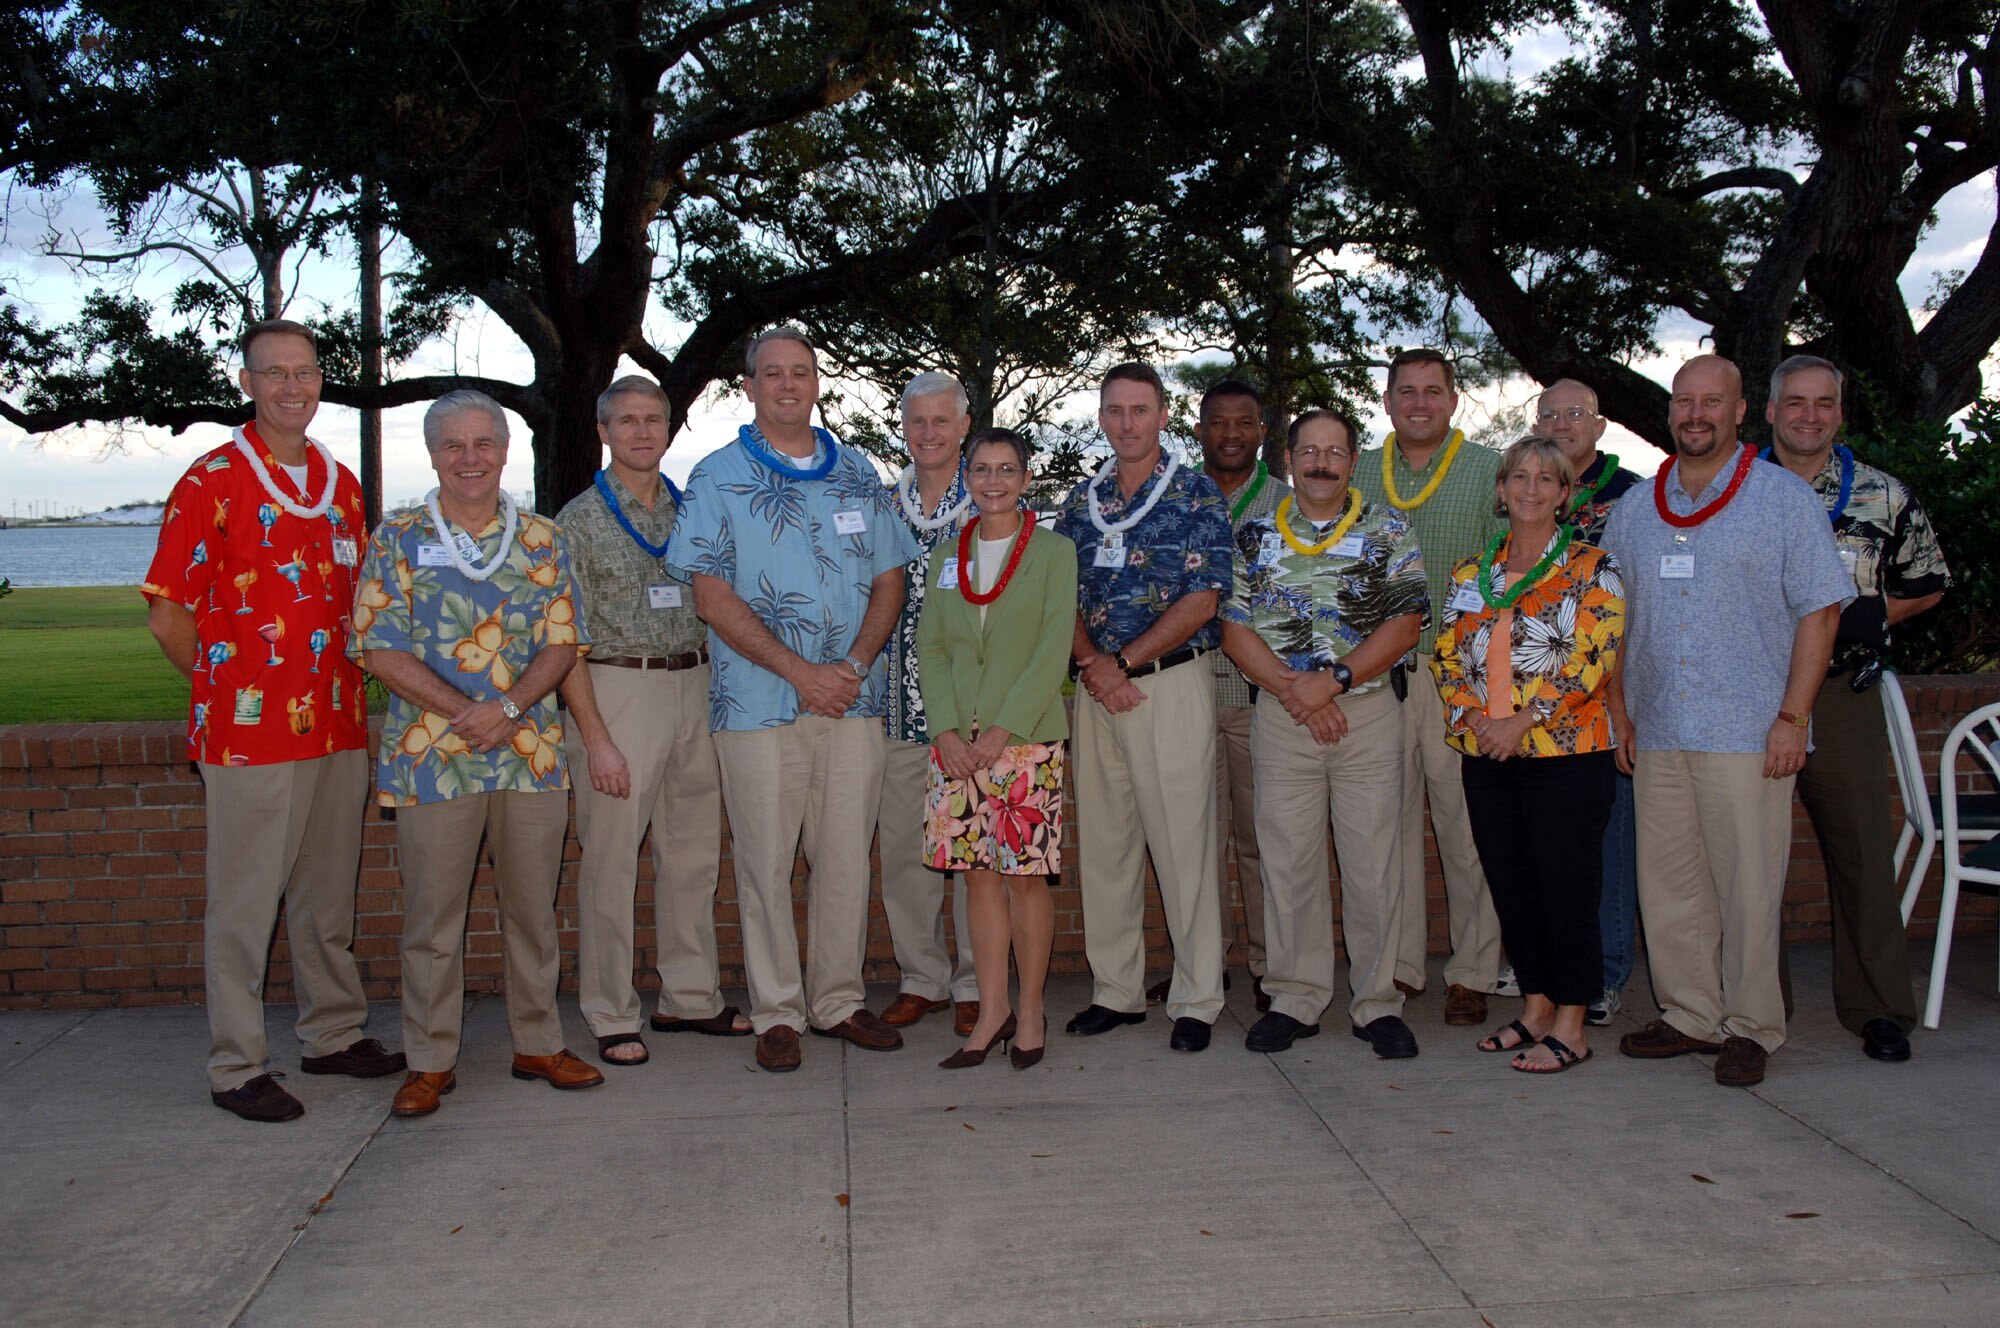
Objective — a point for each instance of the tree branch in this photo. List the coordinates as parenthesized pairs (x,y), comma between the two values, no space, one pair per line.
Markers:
(1741,177)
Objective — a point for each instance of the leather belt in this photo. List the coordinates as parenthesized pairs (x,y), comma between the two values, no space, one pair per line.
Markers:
(671,663)
(1165,662)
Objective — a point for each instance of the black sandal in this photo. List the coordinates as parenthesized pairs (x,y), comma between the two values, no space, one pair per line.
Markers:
(1491,1042)
(716,1025)
(1564,1058)
(610,1040)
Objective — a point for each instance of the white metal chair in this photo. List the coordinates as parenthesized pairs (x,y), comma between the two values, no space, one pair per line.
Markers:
(1978,732)
(1918,821)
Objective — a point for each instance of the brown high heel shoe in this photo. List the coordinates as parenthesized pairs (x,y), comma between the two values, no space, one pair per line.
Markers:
(1022,1057)
(965,1057)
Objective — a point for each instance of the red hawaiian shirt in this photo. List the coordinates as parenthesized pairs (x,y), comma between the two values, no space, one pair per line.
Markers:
(271,593)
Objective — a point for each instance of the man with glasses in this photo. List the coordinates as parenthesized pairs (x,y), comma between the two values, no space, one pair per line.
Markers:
(1329,595)
(250,591)
(1567,412)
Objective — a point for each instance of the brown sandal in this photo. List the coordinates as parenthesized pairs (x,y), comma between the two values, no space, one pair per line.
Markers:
(717,1025)
(610,1040)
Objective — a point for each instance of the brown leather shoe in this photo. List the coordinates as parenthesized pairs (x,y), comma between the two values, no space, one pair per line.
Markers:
(1409,993)
(1659,1040)
(364,1059)
(561,1070)
(965,1018)
(1464,1007)
(1741,1064)
(778,1048)
(259,1099)
(865,1031)
(421,1092)
(909,1007)
(1157,993)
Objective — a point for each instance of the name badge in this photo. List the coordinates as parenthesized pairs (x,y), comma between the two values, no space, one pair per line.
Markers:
(1349,547)
(1466,599)
(468,547)
(347,552)
(1109,554)
(851,522)
(1676,566)
(1114,539)
(663,597)
(948,575)
(1271,551)
(1849,559)
(433,555)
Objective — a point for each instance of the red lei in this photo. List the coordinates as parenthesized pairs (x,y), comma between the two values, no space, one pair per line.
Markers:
(1006,573)
(1695,518)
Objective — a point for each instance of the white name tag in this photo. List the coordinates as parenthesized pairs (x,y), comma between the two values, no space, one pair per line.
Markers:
(663,597)
(1466,599)
(347,552)
(1110,555)
(1676,566)
(851,522)
(1114,539)
(1849,559)
(468,547)
(948,575)
(1349,547)
(1271,552)
(433,555)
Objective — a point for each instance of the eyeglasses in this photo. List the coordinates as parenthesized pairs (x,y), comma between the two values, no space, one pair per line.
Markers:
(279,377)
(1574,414)
(1006,470)
(1311,454)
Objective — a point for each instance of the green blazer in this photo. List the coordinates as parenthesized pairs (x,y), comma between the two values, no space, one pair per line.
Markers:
(1010,671)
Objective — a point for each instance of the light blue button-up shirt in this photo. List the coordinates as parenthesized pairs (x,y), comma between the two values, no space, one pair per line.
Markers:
(791,550)
(1707,655)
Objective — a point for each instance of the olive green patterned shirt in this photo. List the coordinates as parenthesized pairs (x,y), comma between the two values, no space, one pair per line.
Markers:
(620,583)
(1452,524)
(1231,688)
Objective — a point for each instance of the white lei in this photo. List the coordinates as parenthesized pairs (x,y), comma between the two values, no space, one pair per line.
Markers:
(906,494)
(1109,469)
(444,532)
(271,487)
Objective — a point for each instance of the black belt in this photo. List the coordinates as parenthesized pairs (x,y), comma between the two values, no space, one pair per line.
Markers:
(671,663)
(1165,662)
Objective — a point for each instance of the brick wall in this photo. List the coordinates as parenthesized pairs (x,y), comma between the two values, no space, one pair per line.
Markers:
(101,834)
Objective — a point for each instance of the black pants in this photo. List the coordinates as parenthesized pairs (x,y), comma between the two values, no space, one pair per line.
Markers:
(1538,822)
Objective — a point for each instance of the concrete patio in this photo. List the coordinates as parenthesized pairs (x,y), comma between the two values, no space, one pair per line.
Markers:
(1117,1183)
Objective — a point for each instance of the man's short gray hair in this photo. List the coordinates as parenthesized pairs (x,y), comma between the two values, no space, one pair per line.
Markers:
(451,403)
(784,333)
(637,385)
(1799,364)
(932,382)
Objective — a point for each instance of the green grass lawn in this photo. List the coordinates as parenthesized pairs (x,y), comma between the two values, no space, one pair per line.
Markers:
(82,653)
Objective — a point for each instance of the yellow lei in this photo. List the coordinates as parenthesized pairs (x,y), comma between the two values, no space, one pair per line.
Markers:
(1396,500)
(1339,531)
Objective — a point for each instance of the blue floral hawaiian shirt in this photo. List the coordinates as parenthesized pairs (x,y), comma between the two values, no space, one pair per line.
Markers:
(478,636)
(804,555)
(1183,546)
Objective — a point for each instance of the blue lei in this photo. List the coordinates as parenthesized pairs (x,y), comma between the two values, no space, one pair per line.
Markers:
(762,452)
(1846,479)
(617,510)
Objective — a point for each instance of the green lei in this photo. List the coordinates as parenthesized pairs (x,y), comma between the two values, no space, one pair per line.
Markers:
(1490,563)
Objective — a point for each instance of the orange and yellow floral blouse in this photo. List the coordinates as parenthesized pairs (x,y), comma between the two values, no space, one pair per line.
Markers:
(1564,640)
(476,635)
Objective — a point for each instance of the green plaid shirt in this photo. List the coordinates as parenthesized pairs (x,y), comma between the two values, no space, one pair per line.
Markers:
(1231,688)
(1455,523)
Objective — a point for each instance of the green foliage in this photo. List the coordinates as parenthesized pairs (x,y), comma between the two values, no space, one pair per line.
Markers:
(1955,474)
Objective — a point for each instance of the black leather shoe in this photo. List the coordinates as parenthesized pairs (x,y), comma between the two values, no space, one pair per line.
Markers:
(1885,1040)
(261,1100)
(366,1059)
(1277,1032)
(1391,1038)
(1101,1019)
(1258,996)
(1190,1034)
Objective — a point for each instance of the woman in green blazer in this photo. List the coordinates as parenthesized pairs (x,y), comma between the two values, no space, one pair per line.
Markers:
(993,648)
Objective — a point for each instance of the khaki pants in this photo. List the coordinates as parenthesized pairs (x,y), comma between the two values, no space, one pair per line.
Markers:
(1236,821)
(815,783)
(1715,837)
(438,843)
(660,722)
(1356,784)
(292,832)
(913,894)
(1430,767)
(1145,781)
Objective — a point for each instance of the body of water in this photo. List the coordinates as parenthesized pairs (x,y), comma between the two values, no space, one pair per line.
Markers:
(77,555)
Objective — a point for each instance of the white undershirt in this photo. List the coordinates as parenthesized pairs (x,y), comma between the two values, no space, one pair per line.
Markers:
(298,474)
(989,561)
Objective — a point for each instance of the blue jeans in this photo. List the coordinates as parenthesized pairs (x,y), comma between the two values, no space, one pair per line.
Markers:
(1618,906)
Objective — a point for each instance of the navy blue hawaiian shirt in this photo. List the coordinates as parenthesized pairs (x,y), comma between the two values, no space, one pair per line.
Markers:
(1182,546)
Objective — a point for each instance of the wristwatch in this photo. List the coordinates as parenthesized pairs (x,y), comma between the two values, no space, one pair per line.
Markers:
(509,709)
(1342,675)
(860,669)
(1797,721)
(1124,664)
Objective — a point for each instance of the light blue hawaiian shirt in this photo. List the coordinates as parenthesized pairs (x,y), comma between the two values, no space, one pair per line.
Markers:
(804,555)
